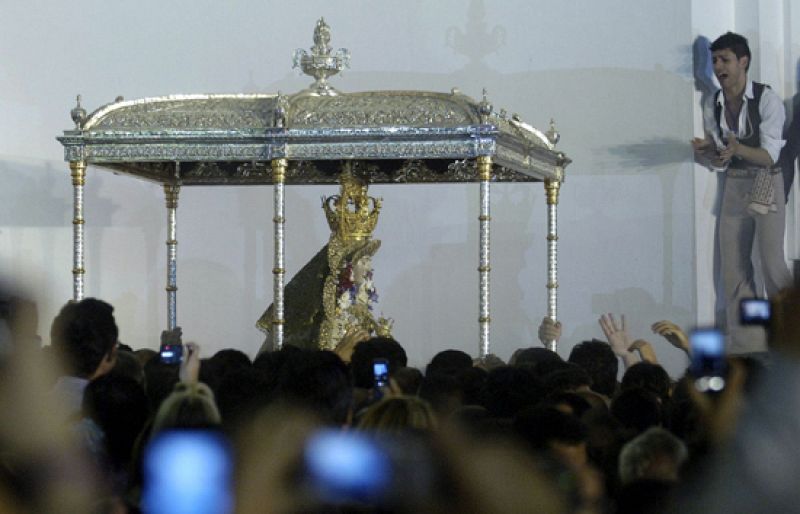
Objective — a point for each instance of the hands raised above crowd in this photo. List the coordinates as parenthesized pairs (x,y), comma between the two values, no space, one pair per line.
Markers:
(621,342)
(618,338)
(672,333)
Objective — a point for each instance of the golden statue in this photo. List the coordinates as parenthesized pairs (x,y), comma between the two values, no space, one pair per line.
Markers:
(334,292)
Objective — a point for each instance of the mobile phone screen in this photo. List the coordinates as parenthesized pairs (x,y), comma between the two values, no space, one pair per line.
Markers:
(707,349)
(171,353)
(346,466)
(188,472)
(380,370)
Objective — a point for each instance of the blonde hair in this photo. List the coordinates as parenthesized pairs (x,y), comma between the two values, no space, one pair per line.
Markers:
(398,413)
(188,406)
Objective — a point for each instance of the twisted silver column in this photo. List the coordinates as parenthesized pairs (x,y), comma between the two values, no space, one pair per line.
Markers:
(171,194)
(78,174)
(278,271)
(552,188)
(484,175)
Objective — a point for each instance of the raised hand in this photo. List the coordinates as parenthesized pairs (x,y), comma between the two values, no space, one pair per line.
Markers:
(348,343)
(672,333)
(189,372)
(617,337)
(645,349)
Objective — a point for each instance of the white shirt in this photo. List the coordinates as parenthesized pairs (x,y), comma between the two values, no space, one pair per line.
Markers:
(773,115)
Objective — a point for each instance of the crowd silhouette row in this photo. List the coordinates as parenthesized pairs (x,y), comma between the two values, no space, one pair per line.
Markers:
(93,425)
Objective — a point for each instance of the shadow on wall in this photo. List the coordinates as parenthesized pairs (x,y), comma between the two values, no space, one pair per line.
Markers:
(639,307)
(40,185)
(592,126)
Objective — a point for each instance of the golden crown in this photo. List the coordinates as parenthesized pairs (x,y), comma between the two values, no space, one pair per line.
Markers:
(352,214)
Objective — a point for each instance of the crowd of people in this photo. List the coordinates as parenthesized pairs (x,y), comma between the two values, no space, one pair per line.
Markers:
(92,425)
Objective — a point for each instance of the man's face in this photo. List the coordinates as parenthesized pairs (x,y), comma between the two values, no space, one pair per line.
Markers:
(729,70)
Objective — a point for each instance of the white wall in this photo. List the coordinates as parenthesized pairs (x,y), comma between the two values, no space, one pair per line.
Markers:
(616,76)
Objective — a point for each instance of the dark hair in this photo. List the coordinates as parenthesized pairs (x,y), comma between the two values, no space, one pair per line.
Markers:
(448,362)
(240,394)
(735,43)
(371,349)
(159,379)
(223,363)
(317,381)
(442,392)
(118,405)
(540,426)
(83,333)
(648,376)
(599,361)
(535,356)
(509,390)
(128,365)
(569,379)
(408,380)
(637,409)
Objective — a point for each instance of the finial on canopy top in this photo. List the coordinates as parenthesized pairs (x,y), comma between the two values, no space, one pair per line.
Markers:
(321,63)
(552,134)
(78,114)
(485,107)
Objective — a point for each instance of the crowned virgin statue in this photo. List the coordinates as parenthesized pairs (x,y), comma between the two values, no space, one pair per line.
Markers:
(334,292)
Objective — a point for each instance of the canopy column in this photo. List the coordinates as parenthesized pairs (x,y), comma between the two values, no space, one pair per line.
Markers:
(78,173)
(171,195)
(278,270)
(484,320)
(552,188)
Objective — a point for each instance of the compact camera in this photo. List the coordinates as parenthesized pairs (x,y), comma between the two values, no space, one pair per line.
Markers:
(754,311)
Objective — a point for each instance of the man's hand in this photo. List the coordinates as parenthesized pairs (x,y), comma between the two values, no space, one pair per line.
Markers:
(348,343)
(731,150)
(672,333)
(189,372)
(549,330)
(617,336)
(701,145)
(645,350)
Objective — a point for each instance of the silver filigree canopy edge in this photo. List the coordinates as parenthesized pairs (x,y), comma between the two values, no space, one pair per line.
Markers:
(317,124)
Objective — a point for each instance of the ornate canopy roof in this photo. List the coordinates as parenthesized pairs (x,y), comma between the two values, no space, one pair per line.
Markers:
(403,136)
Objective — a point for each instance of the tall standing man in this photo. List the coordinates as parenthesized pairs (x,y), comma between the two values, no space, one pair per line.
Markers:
(743,125)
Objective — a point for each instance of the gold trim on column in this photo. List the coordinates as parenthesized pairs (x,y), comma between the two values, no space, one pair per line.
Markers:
(484,167)
(279,170)
(552,188)
(78,172)
(171,195)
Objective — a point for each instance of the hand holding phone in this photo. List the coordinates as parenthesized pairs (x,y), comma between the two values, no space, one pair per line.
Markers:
(708,366)
(189,372)
(171,351)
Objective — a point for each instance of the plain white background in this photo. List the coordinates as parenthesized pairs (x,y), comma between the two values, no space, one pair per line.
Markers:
(636,215)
